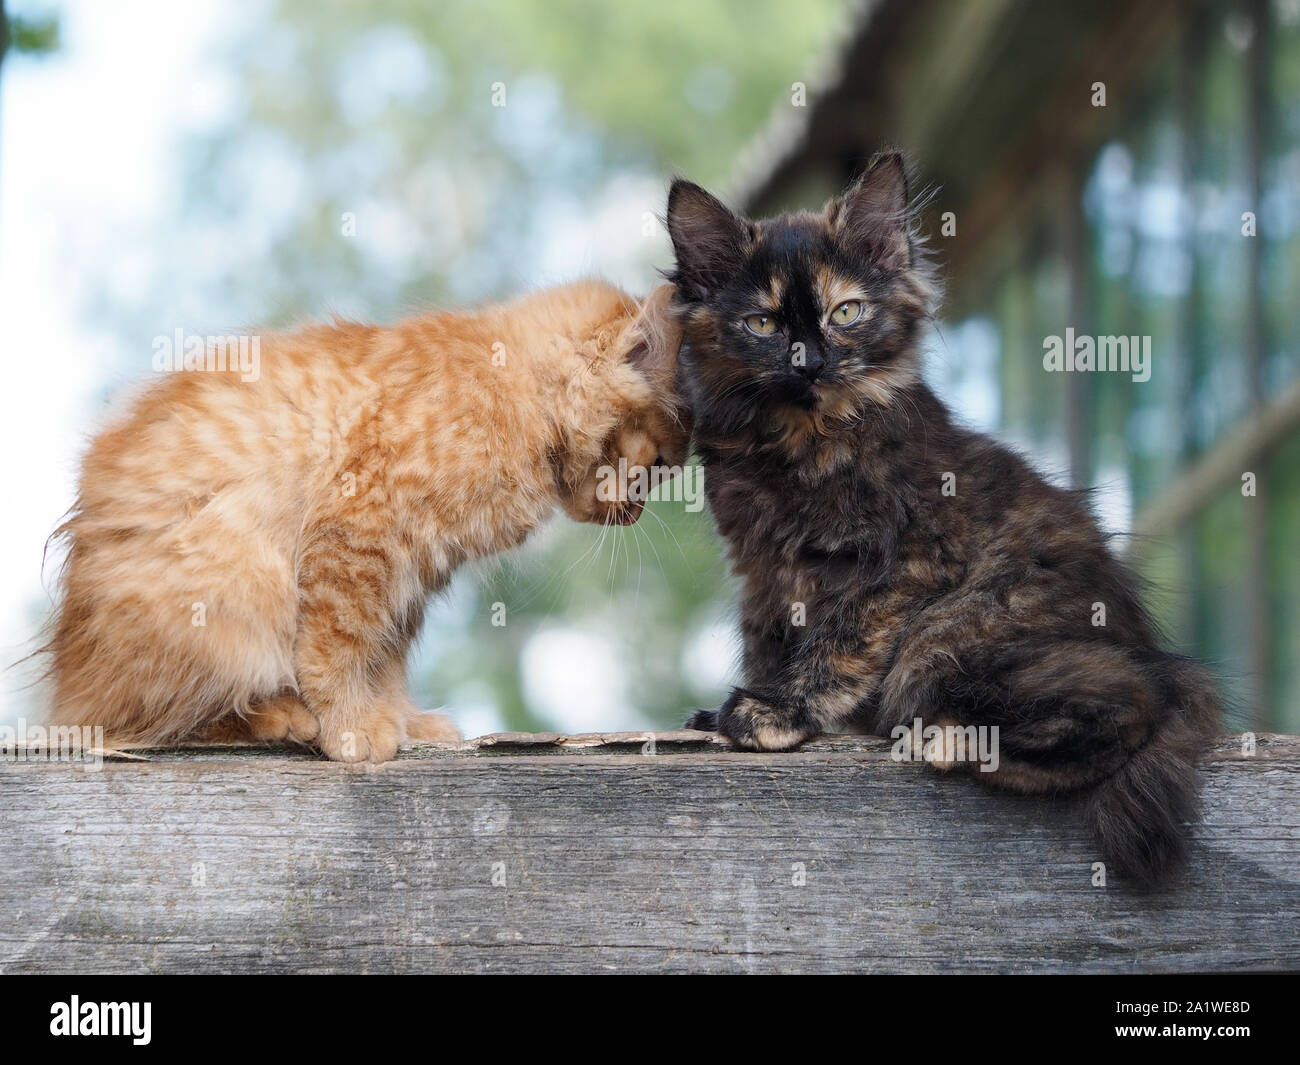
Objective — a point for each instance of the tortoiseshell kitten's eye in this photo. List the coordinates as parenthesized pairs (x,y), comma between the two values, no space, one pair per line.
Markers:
(763,325)
(847,312)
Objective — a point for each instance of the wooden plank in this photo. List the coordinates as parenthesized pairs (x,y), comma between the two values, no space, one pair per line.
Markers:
(607,858)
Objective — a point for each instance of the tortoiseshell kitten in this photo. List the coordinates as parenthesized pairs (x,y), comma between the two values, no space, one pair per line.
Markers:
(896,565)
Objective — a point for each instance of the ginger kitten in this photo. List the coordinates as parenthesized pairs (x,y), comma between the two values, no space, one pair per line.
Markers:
(253,558)
(897,566)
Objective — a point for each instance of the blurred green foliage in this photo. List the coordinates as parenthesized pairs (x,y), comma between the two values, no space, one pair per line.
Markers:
(29,34)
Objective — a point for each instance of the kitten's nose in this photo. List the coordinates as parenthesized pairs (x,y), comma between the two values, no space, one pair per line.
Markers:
(811,364)
(628,513)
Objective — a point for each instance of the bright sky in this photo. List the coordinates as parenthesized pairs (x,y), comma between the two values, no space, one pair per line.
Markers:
(86,138)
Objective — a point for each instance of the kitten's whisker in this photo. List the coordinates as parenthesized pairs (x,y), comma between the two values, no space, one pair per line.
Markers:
(651,541)
(668,529)
(636,538)
(627,553)
(553,579)
(613,554)
(586,557)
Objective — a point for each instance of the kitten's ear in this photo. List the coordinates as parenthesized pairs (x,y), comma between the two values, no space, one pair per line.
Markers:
(657,335)
(872,213)
(708,239)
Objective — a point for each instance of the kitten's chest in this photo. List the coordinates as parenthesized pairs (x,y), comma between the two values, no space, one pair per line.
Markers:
(768,509)
(481,524)
(798,528)
(465,506)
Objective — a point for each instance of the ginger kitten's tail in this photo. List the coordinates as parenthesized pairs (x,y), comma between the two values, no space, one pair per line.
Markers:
(1140,815)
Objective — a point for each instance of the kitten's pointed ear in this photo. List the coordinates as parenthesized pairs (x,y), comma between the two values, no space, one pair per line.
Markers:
(708,239)
(872,214)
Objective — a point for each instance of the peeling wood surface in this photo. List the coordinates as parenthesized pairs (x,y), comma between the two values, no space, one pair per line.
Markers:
(549,853)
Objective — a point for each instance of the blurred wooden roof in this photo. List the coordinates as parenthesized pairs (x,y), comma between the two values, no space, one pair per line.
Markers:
(990,100)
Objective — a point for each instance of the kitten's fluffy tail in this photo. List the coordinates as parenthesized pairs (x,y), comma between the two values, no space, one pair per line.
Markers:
(1140,816)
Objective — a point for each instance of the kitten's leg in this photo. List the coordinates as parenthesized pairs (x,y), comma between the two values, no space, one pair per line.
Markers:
(780,718)
(816,689)
(1067,713)
(806,681)
(1077,712)
(939,651)
(343,649)
(767,722)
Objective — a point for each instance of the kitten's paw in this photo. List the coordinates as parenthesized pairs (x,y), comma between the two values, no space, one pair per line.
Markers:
(703,721)
(371,736)
(284,719)
(431,727)
(751,723)
(281,719)
(940,748)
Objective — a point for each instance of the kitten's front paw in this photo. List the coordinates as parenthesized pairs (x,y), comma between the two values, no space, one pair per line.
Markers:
(748,721)
(371,736)
(703,721)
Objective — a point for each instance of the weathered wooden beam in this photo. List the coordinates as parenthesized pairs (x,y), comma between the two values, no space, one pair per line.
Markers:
(1244,449)
(555,854)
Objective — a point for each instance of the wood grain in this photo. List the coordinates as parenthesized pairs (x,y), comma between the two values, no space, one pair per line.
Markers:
(610,859)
